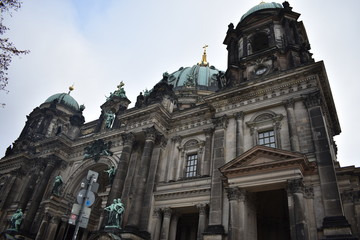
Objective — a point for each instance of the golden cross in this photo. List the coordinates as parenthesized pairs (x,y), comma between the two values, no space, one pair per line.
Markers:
(204,47)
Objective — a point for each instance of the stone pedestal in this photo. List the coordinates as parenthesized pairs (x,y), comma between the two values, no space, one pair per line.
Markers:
(337,228)
(214,232)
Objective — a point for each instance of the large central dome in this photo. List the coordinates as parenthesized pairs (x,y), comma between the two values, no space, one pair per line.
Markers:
(198,76)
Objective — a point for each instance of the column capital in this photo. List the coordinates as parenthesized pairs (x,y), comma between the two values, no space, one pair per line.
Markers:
(221,122)
(150,133)
(296,185)
(208,132)
(176,139)
(157,213)
(167,212)
(128,138)
(312,99)
(162,141)
(234,193)
(309,192)
(202,208)
(289,103)
(239,115)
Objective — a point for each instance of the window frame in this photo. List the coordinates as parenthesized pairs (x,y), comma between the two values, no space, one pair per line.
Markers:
(265,121)
(190,158)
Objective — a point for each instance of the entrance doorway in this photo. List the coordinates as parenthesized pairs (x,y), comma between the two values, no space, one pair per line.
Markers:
(272,215)
(187,226)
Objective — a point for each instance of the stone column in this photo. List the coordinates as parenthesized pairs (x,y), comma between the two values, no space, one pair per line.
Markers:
(121,171)
(29,189)
(311,215)
(38,195)
(173,226)
(157,224)
(43,227)
(294,137)
(298,224)
(62,229)
(207,153)
(215,229)
(141,177)
(334,222)
(11,189)
(51,230)
(239,133)
(234,214)
(150,183)
(166,224)
(202,221)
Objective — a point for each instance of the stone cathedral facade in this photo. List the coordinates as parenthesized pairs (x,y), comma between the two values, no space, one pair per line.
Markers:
(245,153)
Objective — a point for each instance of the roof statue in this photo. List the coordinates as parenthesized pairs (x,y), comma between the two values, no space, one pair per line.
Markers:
(120,92)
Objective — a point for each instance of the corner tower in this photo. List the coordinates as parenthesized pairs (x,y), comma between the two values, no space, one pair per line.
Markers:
(267,40)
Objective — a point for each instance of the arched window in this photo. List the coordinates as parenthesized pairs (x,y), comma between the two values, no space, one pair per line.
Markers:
(265,129)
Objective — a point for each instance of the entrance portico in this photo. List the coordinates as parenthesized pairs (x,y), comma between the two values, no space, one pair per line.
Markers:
(265,188)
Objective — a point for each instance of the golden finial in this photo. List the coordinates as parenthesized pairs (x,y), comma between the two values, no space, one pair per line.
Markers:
(120,85)
(71,88)
(204,60)
(262,2)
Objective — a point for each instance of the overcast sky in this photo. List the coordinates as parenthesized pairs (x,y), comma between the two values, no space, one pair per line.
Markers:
(95,44)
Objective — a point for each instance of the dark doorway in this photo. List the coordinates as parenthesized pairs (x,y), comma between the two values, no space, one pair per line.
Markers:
(272,215)
(187,227)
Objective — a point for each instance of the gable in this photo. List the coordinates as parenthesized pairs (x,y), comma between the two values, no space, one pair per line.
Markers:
(265,159)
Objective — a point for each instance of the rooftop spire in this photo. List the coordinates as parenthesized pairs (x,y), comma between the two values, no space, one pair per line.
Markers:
(203,60)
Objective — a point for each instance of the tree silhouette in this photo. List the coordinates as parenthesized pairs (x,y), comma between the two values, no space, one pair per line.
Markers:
(7,48)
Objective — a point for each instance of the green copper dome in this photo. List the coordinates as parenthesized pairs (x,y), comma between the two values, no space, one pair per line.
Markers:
(261,6)
(198,76)
(65,99)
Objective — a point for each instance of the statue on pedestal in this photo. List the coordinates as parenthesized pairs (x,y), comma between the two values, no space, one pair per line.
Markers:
(115,210)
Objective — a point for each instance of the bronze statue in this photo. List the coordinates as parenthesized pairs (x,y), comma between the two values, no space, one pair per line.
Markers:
(109,119)
(58,182)
(16,219)
(115,210)
(111,173)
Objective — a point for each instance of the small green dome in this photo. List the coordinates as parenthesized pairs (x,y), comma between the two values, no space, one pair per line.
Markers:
(65,99)
(261,6)
(198,76)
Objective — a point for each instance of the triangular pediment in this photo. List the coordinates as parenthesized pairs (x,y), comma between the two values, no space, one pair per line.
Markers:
(261,158)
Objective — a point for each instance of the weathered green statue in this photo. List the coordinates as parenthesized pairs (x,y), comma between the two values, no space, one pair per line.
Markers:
(58,182)
(16,219)
(111,173)
(109,119)
(115,210)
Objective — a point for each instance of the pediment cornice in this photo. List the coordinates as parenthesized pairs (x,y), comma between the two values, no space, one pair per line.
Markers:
(261,159)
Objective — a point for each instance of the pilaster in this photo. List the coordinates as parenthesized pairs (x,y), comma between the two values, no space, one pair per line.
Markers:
(141,177)
(294,138)
(38,195)
(334,222)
